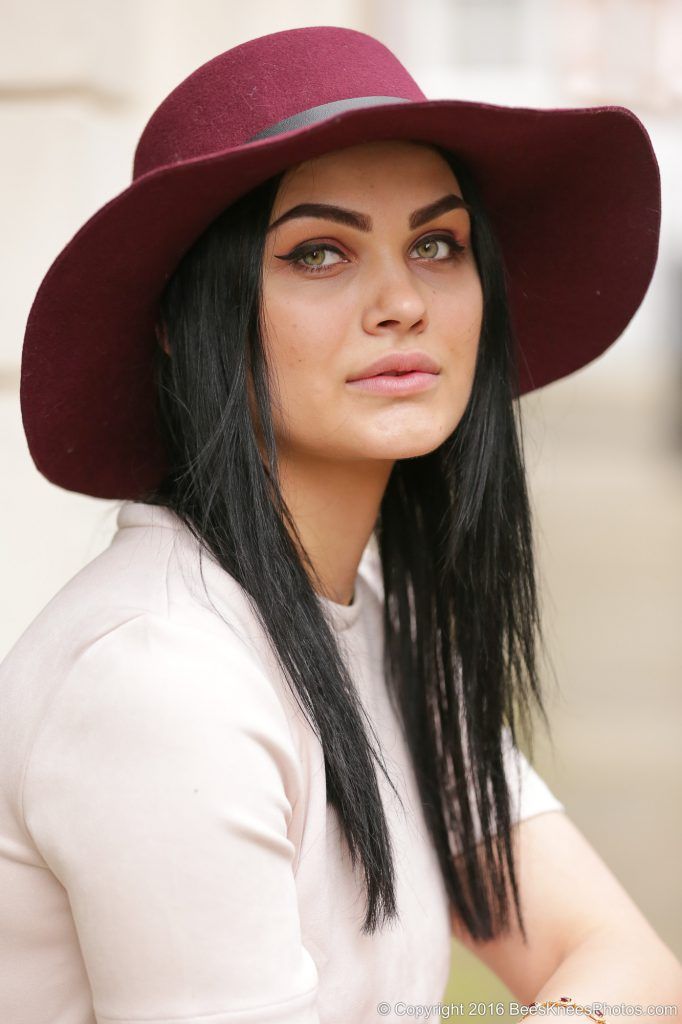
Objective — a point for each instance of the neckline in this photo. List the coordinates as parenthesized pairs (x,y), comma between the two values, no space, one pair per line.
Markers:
(140,513)
(343,616)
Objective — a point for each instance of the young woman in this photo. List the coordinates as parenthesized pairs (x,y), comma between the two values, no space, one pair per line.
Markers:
(260,758)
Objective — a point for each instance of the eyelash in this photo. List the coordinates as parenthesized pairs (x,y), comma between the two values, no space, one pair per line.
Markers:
(296,255)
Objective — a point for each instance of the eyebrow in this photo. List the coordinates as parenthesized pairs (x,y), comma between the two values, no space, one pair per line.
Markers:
(353,219)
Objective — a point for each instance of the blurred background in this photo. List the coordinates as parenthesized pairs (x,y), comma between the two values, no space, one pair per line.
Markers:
(78,81)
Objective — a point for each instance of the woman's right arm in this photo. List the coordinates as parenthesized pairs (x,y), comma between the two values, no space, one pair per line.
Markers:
(159,792)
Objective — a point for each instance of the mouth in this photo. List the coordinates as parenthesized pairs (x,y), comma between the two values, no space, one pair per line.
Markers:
(390,373)
(395,382)
(394,363)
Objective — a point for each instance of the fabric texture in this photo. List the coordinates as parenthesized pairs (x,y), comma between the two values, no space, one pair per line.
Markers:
(166,851)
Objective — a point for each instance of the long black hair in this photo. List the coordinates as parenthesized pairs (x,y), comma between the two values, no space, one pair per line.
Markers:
(461,619)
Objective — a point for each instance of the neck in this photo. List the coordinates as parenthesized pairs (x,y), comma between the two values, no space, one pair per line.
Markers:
(335,507)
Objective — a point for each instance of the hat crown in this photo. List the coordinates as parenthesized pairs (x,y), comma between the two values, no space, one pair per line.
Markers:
(233,96)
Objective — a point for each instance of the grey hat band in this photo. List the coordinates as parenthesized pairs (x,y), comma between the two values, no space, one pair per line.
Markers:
(324,110)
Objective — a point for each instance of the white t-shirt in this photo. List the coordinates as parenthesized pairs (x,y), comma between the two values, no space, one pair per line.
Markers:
(166,849)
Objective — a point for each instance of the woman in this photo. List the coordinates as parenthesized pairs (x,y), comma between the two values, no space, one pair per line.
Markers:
(262,750)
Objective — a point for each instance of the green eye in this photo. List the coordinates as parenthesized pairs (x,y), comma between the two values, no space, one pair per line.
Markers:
(429,244)
(314,252)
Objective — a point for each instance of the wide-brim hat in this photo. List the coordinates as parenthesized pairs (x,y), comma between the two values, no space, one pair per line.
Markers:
(573,196)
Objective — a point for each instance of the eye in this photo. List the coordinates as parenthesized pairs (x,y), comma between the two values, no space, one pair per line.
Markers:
(431,244)
(315,250)
(318,250)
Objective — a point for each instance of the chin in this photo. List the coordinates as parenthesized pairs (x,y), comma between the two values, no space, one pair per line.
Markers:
(405,448)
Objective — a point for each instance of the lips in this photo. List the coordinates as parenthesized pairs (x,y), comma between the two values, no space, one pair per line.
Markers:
(395,364)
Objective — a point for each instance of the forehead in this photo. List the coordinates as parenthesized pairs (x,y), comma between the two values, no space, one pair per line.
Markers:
(368,168)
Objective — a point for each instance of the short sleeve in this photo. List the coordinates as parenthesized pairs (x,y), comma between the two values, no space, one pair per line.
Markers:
(529,794)
(159,792)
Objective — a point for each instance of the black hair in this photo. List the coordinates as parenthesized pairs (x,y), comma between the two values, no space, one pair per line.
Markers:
(461,618)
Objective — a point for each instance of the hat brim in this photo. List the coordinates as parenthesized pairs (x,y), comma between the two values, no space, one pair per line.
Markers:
(573,196)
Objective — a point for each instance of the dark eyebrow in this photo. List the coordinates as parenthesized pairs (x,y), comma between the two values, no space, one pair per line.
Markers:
(361,221)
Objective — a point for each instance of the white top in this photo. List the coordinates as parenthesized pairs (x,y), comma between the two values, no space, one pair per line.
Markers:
(166,850)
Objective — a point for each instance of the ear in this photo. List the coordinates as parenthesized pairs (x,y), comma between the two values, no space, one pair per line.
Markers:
(162,337)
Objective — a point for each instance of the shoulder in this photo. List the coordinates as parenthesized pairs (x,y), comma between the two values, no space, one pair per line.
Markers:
(167,672)
(151,705)
(169,661)
(134,621)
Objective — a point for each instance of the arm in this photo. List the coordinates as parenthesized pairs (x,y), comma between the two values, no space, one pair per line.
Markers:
(159,792)
(587,938)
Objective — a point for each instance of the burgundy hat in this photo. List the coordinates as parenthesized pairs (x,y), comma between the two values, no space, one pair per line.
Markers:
(573,196)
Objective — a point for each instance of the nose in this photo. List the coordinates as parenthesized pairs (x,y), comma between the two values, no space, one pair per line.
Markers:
(395,300)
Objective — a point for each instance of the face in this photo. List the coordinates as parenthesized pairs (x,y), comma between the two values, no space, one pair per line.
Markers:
(338,295)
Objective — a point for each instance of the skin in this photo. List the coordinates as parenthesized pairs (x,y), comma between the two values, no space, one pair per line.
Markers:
(391,289)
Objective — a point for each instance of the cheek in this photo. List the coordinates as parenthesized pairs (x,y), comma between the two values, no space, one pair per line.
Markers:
(302,349)
(471,332)
(464,308)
